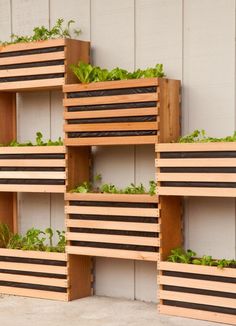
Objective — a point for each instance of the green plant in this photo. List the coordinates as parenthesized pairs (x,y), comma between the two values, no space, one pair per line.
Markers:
(38,142)
(41,33)
(199,136)
(83,188)
(179,255)
(86,73)
(152,187)
(5,235)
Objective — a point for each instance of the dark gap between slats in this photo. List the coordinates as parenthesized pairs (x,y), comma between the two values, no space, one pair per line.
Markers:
(33,261)
(113,204)
(116,232)
(145,118)
(203,307)
(34,286)
(114,246)
(32,169)
(33,77)
(198,169)
(31,51)
(209,154)
(32,64)
(112,133)
(32,181)
(38,274)
(212,278)
(115,106)
(31,156)
(199,291)
(111,218)
(200,184)
(115,91)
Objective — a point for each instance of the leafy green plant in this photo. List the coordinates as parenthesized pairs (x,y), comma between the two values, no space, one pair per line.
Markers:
(199,136)
(5,235)
(179,255)
(86,73)
(38,142)
(41,33)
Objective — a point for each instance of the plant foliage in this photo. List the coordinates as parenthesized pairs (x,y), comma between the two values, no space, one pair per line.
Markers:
(38,142)
(199,136)
(86,73)
(41,33)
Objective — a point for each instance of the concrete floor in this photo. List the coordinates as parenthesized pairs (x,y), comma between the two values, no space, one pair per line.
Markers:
(93,311)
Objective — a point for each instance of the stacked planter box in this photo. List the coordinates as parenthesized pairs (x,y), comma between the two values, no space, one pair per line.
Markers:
(36,66)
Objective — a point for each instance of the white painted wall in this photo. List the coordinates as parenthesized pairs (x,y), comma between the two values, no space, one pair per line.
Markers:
(196,42)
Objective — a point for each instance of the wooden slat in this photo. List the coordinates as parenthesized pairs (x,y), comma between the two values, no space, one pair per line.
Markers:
(142,82)
(32,188)
(196,191)
(118,239)
(32,175)
(32,84)
(198,314)
(32,71)
(113,253)
(33,150)
(32,45)
(196,162)
(198,177)
(110,113)
(33,254)
(49,281)
(112,211)
(108,225)
(25,267)
(113,99)
(60,55)
(198,269)
(198,299)
(198,284)
(32,163)
(127,140)
(111,126)
(34,293)
(145,198)
(198,147)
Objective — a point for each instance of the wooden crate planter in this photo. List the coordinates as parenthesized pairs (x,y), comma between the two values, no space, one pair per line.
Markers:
(118,226)
(199,292)
(196,169)
(141,111)
(39,65)
(32,169)
(43,275)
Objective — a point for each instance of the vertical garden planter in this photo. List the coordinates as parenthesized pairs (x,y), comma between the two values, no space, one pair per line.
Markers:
(32,169)
(139,111)
(197,169)
(114,225)
(44,275)
(40,65)
(200,292)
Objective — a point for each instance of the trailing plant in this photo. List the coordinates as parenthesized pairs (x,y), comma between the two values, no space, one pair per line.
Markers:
(38,142)
(42,33)
(199,136)
(180,255)
(86,73)
(34,239)
(110,188)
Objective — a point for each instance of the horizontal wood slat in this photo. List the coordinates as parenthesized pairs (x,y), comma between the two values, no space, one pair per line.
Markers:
(112,211)
(127,226)
(32,84)
(27,267)
(32,71)
(198,314)
(196,162)
(127,140)
(113,253)
(119,239)
(198,299)
(33,150)
(196,147)
(140,198)
(33,254)
(110,113)
(114,99)
(32,175)
(32,163)
(197,191)
(142,82)
(32,188)
(59,55)
(197,177)
(111,126)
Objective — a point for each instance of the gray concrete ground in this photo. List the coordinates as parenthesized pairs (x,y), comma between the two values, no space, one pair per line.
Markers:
(93,311)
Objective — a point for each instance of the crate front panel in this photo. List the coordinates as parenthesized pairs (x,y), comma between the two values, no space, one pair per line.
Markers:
(197,169)
(32,169)
(109,113)
(201,292)
(34,274)
(112,228)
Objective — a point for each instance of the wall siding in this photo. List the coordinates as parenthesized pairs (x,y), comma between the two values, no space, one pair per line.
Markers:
(132,34)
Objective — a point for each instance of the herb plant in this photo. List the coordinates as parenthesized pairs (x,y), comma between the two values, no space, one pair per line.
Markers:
(38,142)
(41,33)
(86,73)
(199,136)
(180,255)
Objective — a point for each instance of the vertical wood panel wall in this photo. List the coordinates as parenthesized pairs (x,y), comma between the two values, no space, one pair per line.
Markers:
(132,34)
